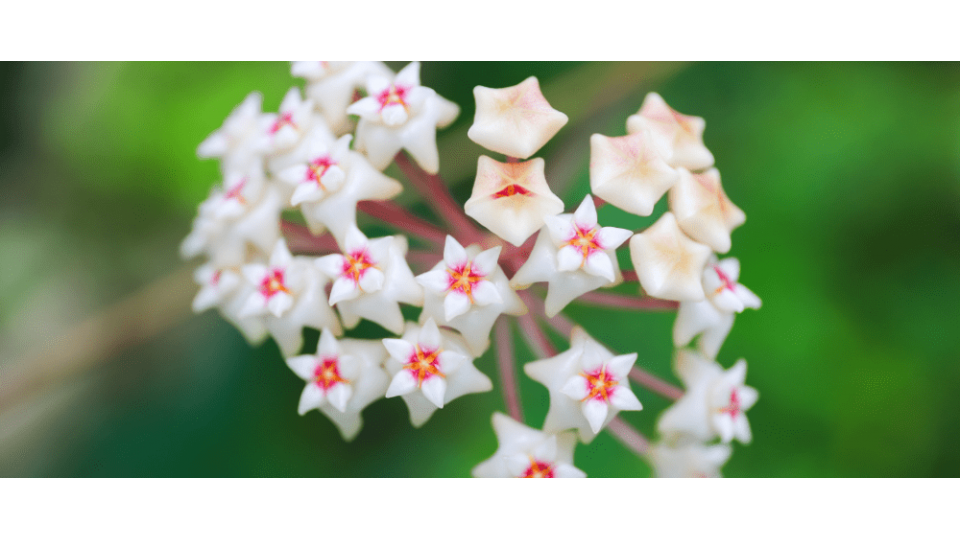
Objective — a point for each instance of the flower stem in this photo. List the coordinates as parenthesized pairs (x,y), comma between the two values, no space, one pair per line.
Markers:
(508,369)
(652,382)
(535,337)
(301,241)
(435,193)
(627,302)
(630,437)
(400,218)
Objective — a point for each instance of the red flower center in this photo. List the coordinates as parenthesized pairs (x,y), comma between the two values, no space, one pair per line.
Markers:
(317,168)
(600,384)
(424,364)
(273,283)
(538,469)
(733,409)
(327,374)
(511,190)
(462,279)
(584,240)
(286,119)
(356,264)
(394,95)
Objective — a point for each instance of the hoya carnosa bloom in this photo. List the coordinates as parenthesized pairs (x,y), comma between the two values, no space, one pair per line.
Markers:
(588,386)
(227,290)
(714,404)
(692,460)
(629,172)
(430,368)
(678,136)
(290,124)
(331,86)
(524,452)
(343,377)
(703,210)
(574,255)
(467,291)
(668,262)
(237,143)
(371,278)
(712,318)
(401,114)
(288,295)
(329,183)
(516,121)
(512,199)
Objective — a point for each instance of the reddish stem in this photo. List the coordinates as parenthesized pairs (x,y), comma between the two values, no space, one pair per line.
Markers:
(630,437)
(402,219)
(630,276)
(535,337)
(424,259)
(627,302)
(435,193)
(655,383)
(508,369)
(301,240)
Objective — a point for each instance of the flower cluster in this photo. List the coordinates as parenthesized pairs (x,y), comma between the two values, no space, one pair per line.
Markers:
(284,251)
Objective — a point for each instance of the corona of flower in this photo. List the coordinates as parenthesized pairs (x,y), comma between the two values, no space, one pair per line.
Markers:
(292,237)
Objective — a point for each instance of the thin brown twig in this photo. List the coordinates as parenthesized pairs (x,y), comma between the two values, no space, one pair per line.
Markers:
(508,369)
(402,219)
(627,302)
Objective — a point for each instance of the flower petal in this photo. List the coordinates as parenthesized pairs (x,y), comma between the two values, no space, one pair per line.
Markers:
(486,261)
(327,346)
(338,396)
(619,366)
(402,384)
(595,411)
(399,349)
(279,303)
(624,399)
(343,289)
(304,366)
(311,398)
(429,339)
(306,192)
(434,389)
(436,281)
(599,264)
(450,361)
(486,293)
(586,215)
(576,388)
(569,259)
(613,237)
(453,253)
(455,304)
(371,281)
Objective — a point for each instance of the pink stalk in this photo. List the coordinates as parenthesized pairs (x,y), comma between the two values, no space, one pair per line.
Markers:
(435,193)
(301,240)
(402,219)
(658,385)
(627,302)
(424,259)
(630,275)
(559,322)
(508,369)
(630,437)
(535,337)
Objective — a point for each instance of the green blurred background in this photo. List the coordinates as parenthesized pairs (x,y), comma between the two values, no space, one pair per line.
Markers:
(848,174)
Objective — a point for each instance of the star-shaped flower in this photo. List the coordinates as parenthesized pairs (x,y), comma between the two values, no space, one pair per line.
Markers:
(430,368)
(401,114)
(237,143)
(330,182)
(524,452)
(629,172)
(668,263)
(574,255)
(289,295)
(225,289)
(691,460)
(512,199)
(467,291)
(714,403)
(678,136)
(703,210)
(516,121)
(331,86)
(371,278)
(342,378)
(288,126)
(588,386)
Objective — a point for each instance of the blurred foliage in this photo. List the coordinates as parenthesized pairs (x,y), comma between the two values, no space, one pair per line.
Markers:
(848,174)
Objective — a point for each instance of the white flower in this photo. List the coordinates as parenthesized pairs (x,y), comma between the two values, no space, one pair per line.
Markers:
(678,137)
(290,124)
(289,295)
(574,255)
(331,86)
(243,214)
(237,143)
(467,291)
(668,263)
(225,288)
(512,199)
(329,183)
(431,368)
(629,172)
(516,121)
(524,452)
(342,378)
(713,317)
(692,460)
(703,210)
(588,386)
(371,278)
(401,114)
(714,403)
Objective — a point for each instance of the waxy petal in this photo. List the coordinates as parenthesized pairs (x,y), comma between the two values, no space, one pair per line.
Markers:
(516,121)
(311,398)
(434,389)
(403,383)
(596,413)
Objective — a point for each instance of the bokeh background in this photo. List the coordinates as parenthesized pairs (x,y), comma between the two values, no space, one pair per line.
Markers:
(849,175)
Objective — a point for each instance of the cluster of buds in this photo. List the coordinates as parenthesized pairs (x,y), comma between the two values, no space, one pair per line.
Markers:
(284,251)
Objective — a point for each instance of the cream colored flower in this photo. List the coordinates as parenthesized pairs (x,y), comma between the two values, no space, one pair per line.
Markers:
(703,210)
(515,121)
(678,136)
(628,172)
(668,263)
(524,452)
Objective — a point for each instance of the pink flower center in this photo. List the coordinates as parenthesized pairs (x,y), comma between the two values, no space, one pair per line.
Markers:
(236,192)
(286,119)
(585,240)
(356,264)
(424,364)
(727,283)
(462,279)
(600,384)
(327,374)
(394,95)
(319,167)
(538,469)
(733,409)
(273,283)
(511,190)
(215,280)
